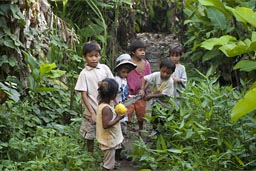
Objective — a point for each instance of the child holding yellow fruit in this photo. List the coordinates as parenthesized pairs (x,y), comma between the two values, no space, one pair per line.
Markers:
(108,128)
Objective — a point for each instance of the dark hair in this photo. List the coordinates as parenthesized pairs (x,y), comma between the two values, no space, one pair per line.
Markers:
(137,44)
(168,64)
(176,49)
(108,89)
(90,46)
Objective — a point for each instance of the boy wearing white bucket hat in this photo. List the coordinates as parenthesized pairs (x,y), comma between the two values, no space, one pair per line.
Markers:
(122,69)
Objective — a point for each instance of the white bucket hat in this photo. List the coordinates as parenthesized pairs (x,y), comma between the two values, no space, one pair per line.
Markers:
(124,59)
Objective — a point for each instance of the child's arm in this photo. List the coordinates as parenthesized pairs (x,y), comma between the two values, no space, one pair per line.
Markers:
(182,79)
(153,95)
(88,105)
(144,85)
(107,115)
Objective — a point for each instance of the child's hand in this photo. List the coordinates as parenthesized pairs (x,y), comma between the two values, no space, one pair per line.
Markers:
(142,92)
(176,80)
(93,116)
(131,96)
(147,97)
(119,117)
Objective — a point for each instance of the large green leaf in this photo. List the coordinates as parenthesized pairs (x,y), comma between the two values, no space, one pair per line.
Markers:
(217,18)
(30,60)
(3,59)
(253,36)
(216,4)
(246,65)
(238,17)
(244,106)
(234,49)
(12,93)
(210,43)
(56,73)
(46,68)
(247,14)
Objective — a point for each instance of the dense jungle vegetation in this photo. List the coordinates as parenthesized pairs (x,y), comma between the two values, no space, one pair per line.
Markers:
(40,59)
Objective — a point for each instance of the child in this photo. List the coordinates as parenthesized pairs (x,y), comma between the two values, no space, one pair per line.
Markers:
(108,128)
(161,83)
(179,76)
(134,78)
(87,84)
(123,67)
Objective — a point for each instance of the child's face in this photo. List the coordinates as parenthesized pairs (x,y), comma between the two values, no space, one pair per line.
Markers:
(92,58)
(123,72)
(165,73)
(140,53)
(175,58)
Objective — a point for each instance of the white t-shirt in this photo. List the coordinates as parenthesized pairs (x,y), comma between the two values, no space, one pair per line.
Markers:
(180,73)
(88,81)
(157,84)
(123,92)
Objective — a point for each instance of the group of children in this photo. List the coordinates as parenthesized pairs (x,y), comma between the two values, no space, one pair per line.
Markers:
(99,89)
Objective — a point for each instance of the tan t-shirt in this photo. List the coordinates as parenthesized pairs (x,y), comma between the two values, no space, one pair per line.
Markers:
(111,137)
(88,81)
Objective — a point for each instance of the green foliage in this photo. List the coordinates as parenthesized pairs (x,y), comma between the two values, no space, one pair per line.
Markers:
(245,105)
(39,131)
(235,39)
(226,29)
(199,135)
(88,19)
(48,149)
(10,44)
(40,73)
(10,91)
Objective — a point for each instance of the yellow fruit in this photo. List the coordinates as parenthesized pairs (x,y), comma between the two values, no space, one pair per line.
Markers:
(120,109)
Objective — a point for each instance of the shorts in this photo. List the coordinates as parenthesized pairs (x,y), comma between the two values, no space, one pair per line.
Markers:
(88,128)
(140,109)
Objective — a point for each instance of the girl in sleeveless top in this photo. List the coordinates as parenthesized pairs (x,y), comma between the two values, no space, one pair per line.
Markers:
(108,128)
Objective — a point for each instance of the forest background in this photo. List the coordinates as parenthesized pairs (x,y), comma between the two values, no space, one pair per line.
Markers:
(41,57)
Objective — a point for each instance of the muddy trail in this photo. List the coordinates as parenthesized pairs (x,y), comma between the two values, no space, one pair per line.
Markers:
(131,135)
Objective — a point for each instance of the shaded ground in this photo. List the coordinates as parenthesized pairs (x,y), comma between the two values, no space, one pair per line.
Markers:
(132,134)
(127,166)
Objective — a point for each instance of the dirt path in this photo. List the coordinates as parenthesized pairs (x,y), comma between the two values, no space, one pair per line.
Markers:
(127,166)
(132,134)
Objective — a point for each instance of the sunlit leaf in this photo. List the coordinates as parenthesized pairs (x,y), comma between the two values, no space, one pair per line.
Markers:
(253,36)
(46,68)
(234,49)
(247,15)
(56,73)
(210,43)
(178,151)
(244,106)
(45,89)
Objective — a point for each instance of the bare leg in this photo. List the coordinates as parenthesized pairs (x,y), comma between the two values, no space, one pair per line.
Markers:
(90,144)
(140,125)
